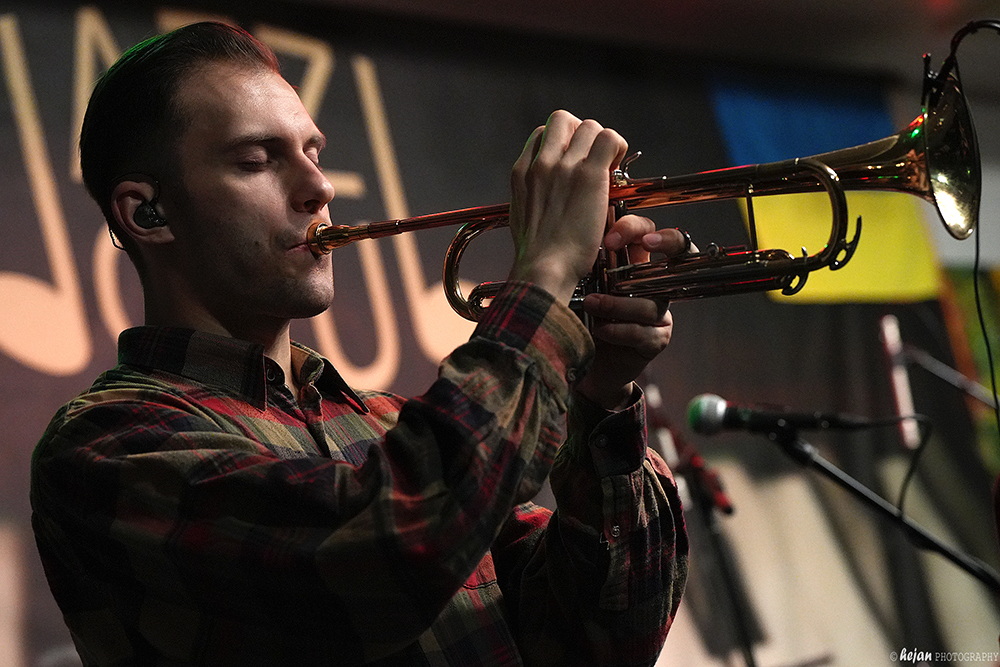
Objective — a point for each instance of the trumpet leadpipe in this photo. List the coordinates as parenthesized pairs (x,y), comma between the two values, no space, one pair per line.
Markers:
(324,238)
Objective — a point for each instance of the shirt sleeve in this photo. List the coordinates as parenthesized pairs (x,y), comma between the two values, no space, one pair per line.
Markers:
(147,508)
(600,582)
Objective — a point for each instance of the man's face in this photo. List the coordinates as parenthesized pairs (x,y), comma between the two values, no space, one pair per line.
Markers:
(250,184)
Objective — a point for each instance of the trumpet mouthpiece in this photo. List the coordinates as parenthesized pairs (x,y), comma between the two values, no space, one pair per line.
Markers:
(314,239)
(322,238)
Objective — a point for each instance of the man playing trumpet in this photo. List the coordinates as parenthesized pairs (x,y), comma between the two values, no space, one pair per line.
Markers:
(222,497)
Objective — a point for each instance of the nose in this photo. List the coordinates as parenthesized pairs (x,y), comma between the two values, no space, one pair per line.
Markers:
(314,190)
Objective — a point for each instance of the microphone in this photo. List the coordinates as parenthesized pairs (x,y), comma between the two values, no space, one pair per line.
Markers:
(708,414)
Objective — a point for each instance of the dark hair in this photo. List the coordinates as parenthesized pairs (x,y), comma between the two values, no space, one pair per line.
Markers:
(133,119)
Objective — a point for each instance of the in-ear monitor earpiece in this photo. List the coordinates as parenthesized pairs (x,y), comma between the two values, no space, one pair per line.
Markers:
(146,216)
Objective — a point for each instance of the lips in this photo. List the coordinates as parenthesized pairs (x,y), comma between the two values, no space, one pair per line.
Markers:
(295,240)
(301,249)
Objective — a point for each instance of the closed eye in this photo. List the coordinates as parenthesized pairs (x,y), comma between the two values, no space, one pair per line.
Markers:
(253,165)
(314,148)
(251,157)
(256,153)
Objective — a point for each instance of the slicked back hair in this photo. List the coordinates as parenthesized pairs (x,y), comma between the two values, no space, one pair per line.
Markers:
(133,119)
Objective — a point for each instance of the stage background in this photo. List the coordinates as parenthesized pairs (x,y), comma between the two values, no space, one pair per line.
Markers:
(422,117)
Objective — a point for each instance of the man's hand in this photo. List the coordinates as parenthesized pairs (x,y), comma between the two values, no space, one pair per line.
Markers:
(628,332)
(559,201)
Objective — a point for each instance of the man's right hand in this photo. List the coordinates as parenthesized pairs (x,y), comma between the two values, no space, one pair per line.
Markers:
(559,201)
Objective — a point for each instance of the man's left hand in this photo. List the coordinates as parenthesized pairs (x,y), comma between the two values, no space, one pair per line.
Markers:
(629,332)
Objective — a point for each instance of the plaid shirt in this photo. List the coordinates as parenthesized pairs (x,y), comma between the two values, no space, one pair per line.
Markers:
(190,511)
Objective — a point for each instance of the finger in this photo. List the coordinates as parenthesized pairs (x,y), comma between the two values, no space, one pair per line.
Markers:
(608,150)
(560,129)
(520,169)
(530,149)
(627,230)
(582,143)
(669,242)
(645,341)
(646,312)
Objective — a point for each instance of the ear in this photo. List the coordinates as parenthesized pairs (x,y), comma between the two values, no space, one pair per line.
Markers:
(132,203)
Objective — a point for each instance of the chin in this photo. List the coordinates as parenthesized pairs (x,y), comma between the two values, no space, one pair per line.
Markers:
(306,313)
(306,298)
(303,307)
(310,305)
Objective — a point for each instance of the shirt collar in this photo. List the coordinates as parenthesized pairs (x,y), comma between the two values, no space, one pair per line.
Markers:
(234,366)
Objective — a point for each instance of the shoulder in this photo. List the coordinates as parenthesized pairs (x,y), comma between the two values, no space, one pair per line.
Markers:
(126,405)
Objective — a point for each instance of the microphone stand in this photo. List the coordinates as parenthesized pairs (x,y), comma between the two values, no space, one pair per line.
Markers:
(700,483)
(709,498)
(806,454)
(945,372)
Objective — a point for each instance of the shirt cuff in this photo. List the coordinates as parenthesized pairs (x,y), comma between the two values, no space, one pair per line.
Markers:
(617,440)
(528,318)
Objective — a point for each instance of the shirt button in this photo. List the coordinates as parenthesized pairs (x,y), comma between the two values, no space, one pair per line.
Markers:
(270,375)
(571,375)
(616,531)
(601,441)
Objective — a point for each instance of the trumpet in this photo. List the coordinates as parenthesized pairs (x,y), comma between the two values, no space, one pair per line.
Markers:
(935,157)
